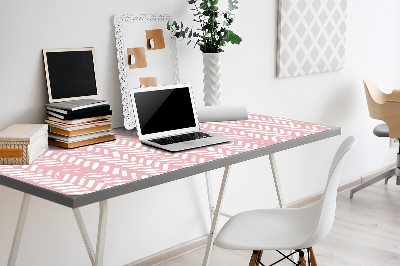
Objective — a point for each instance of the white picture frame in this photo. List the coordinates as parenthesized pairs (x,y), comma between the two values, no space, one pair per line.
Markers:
(70,98)
(130,33)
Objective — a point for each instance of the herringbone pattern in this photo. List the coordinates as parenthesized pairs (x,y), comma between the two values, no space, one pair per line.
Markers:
(212,79)
(96,167)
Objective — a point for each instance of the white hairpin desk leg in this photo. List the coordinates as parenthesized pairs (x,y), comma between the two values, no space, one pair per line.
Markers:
(95,258)
(85,236)
(277,182)
(210,195)
(211,237)
(101,233)
(278,187)
(19,230)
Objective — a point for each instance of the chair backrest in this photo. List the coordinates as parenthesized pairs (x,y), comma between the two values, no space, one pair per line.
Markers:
(376,99)
(384,106)
(373,98)
(379,96)
(327,203)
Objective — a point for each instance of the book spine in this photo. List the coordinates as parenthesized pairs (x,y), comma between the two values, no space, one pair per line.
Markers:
(79,131)
(79,111)
(81,143)
(76,104)
(77,138)
(80,116)
(61,111)
(78,121)
(59,116)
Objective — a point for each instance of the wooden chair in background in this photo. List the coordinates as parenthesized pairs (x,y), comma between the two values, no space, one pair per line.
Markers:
(385,107)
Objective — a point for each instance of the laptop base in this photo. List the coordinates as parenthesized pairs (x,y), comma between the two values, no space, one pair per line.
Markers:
(191,144)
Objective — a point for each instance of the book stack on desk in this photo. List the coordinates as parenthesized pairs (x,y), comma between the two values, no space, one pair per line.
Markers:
(79,123)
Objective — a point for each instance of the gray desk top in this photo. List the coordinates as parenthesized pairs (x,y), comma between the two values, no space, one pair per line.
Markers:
(86,175)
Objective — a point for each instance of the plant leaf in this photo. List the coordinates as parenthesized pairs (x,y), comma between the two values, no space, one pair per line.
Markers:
(233,38)
(204,5)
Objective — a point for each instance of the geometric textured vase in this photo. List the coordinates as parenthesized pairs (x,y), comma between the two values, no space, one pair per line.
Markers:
(212,75)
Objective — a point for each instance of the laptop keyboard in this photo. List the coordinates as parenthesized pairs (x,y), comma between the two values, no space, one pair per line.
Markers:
(180,138)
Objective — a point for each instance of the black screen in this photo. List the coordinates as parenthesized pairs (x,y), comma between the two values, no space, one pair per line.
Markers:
(71,74)
(164,110)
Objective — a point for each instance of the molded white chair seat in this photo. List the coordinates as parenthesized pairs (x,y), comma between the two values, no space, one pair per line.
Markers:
(274,229)
(269,229)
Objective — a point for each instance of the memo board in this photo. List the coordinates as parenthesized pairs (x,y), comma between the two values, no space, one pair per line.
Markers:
(160,63)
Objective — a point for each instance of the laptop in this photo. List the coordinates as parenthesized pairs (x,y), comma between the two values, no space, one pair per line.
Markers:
(166,118)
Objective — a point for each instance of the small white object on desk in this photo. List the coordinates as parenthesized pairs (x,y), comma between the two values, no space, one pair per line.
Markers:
(23,143)
(217,113)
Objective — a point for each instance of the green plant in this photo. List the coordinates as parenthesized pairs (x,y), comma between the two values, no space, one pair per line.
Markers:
(214,32)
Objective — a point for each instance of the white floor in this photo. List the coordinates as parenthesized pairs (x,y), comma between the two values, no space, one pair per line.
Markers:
(366,232)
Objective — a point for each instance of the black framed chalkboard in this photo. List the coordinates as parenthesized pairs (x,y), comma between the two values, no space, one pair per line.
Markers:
(70,74)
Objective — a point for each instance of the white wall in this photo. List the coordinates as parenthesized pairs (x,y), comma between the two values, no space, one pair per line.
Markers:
(146,222)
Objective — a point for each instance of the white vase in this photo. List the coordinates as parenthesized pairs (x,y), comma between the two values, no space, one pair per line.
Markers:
(212,75)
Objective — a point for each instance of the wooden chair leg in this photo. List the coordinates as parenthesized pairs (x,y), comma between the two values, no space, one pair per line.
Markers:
(302,259)
(313,260)
(255,257)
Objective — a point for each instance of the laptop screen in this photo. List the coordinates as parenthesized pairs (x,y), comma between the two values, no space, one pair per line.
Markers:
(164,110)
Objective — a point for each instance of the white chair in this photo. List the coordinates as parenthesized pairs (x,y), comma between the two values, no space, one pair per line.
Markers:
(287,229)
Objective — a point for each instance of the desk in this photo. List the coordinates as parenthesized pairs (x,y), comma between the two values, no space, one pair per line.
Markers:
(82,176)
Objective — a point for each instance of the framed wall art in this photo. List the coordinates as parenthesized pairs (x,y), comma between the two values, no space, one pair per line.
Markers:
(311,36)
(146,53)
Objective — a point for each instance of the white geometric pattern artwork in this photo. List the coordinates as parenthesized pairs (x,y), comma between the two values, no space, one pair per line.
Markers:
(311,36)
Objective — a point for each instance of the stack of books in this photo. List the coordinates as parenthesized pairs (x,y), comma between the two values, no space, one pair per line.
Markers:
(79,123)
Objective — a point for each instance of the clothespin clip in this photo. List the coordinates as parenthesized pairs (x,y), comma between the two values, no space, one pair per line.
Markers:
(132,59)
(151,43)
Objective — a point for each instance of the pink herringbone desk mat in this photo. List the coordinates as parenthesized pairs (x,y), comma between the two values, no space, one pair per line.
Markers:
(92,168)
